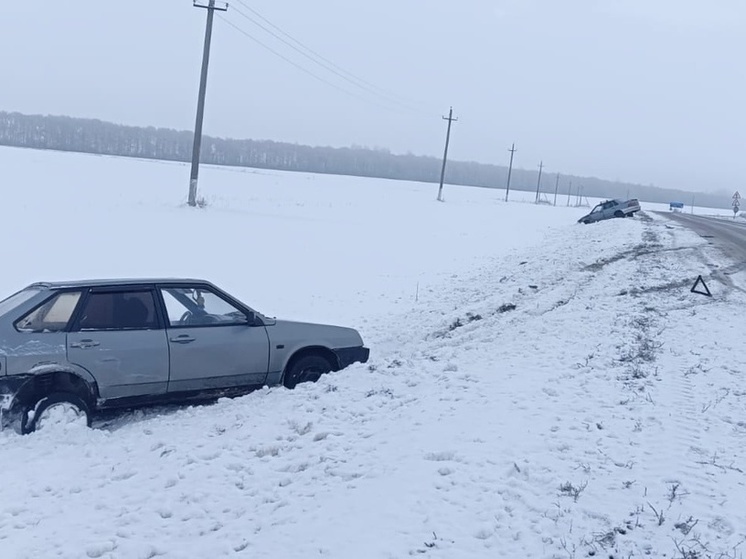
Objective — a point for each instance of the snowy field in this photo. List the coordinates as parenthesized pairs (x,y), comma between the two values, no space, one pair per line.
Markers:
(536,388)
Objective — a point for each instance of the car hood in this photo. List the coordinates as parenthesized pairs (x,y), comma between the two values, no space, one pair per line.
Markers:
(289,331)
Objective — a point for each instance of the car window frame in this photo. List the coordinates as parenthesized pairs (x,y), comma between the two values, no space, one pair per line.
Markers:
(248,312)
(52,294)
(74,326)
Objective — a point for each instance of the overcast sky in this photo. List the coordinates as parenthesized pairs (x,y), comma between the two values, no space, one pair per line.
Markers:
(645,91)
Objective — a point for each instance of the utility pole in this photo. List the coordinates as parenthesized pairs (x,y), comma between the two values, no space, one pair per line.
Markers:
(556,188)
(538,182)
(692,205)
(512,150)
(211,7)
(450,119)
(569,193)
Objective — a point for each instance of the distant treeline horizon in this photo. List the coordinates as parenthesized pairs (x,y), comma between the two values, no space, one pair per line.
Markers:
(64,133)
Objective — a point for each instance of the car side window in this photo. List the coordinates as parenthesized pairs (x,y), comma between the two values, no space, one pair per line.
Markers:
(119,310)
(197,306)
(52,316)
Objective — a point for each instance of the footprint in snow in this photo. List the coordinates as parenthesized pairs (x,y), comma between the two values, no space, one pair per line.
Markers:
(442,456)
(99,549)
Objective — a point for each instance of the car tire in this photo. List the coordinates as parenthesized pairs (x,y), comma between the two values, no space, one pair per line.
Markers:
(619,213)
(306,369)
(34,415)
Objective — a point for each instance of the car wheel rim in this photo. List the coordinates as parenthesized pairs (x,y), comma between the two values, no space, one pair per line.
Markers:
(63,413)
(311,374)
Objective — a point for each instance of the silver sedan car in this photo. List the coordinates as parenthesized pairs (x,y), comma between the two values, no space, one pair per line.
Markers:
(83,346)
(610,209)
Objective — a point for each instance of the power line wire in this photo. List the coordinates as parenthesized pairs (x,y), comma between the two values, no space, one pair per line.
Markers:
(324,62)
(301,68)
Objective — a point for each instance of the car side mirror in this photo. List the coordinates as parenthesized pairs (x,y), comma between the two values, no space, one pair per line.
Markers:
(251,318)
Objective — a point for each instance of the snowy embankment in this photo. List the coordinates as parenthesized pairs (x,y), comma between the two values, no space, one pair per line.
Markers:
(536,388)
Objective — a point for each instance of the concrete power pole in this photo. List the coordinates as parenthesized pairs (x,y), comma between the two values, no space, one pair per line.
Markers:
(450,119)
(556,188)
(211,7)
(512,150)
(569,192)
(538,182)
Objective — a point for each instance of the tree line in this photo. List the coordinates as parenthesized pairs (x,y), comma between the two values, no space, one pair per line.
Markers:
(99,137)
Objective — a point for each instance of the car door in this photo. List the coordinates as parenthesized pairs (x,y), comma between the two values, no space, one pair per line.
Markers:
(609,209)
(597,213)
(213,343)
(118,336)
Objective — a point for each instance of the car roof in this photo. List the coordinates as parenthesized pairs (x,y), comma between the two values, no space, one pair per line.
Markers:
(115,282)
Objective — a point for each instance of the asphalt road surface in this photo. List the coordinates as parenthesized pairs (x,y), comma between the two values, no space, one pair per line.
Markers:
(728,234)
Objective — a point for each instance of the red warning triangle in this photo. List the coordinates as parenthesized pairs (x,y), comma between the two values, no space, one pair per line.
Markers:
(697,289)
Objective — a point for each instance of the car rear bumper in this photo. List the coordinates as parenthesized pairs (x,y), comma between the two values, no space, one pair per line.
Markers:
(9,386)
(349,355)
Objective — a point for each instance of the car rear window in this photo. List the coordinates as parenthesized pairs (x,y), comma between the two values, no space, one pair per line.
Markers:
(119,310)
(10,303)
(52,316)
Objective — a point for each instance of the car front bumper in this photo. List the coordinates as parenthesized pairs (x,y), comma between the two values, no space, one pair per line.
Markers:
(348,355)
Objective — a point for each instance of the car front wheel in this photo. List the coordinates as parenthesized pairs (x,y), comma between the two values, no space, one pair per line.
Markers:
(56,408)
(306,369)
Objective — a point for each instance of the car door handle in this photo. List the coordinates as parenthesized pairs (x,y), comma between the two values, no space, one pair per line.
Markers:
(183,339)
(83,344)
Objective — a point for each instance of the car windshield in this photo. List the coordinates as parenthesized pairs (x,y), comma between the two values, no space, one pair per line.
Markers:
(7,305)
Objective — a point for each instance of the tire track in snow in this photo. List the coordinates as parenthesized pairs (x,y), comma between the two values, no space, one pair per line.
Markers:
(528,490)
(667,449)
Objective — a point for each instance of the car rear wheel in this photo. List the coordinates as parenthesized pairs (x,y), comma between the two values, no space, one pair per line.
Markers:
(55,409)
(306,369)
(619,213)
